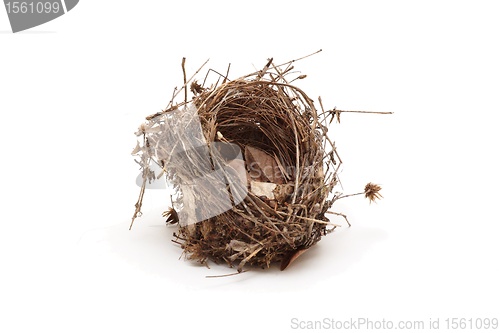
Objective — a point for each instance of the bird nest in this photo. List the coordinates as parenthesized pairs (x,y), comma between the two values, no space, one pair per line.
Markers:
(251,165)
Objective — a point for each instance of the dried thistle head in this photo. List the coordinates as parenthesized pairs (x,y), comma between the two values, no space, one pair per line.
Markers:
(171,215)
(196,88)
(372,192)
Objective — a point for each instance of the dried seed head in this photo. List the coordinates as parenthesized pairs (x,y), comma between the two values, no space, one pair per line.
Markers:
(171,215)
(196,88)
(372,192)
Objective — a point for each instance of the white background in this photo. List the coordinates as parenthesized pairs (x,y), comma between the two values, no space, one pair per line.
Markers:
(74,90)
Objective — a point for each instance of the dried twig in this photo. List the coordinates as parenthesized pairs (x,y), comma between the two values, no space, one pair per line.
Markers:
(185,81)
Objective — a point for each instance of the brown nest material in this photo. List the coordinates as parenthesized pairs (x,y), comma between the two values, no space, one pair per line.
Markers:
(278,189)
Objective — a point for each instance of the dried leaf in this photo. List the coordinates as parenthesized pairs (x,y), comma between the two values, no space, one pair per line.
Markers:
(291,257)
(136,149)
(263,189)
(262,166)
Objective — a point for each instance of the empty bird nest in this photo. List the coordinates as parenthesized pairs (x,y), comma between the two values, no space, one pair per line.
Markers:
(251,167)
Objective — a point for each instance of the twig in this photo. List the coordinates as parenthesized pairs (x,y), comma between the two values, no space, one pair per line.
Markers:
(263,71)
(310,219)
(185,82)
(294,60)
(227,73)
(213,70)
(377,112)
(191,78)
(356,111)
(340,214)
(349,195)
(244,261)
(138,204)
(224,275)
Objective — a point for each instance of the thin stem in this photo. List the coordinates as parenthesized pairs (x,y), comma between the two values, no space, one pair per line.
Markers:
(340,214)
(138,204)
(224,275)
(376,112)
(196,73)
(349,195)
(185,81)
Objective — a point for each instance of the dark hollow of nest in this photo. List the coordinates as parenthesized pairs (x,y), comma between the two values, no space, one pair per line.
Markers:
(267,114)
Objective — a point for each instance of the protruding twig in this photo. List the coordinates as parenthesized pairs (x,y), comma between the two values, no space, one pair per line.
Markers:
(185,83)
(372,193)
(349,195)
(227,73)
(191,78)
(356,111)
(138,204)
(264,70)
(340,214)
(294,60)
(224,275)
(176,92)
